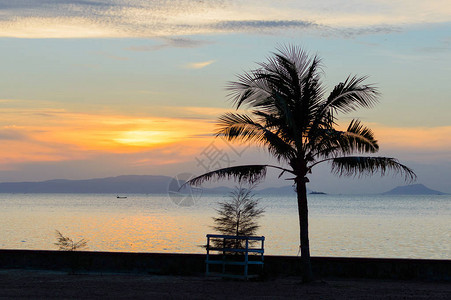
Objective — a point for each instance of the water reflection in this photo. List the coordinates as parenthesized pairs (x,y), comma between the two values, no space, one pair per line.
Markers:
(418,228)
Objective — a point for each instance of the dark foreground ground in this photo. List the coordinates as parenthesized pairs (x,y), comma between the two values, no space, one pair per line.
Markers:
(31,284)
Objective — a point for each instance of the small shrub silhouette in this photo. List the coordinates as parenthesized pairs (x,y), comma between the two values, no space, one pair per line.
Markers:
(238,216)
(67,244)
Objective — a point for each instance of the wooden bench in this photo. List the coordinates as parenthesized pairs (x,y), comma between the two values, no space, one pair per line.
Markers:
(229,255)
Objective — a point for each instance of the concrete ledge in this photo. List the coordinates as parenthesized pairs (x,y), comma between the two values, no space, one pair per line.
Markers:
(194,264)
(155,263)
(350,267)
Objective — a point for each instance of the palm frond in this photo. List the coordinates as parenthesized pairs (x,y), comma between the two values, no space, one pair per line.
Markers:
(357,138)
(251,90)
(312,90)
(360,138)
(349,95)
(360,165)
(241,127)
(300,58)
(246,173)
(238,126)
(328,142)
(323,143)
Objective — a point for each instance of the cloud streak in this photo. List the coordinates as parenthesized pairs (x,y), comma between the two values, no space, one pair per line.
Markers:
(168,42)
(9,133)
(140,18)
(199,65)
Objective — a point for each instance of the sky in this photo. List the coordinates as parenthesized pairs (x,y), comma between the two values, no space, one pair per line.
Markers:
(104,88)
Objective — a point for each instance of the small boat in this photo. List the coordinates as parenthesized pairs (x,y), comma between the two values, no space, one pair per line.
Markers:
(121,197)
(317,193)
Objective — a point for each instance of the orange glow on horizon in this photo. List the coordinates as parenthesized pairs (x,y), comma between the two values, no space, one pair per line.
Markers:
(55,135)
(50,135)
(420,138)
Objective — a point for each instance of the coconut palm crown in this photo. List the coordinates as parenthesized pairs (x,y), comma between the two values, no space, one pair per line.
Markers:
(288,113)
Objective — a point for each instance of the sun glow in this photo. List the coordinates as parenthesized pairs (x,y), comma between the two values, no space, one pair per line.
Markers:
(41,134)
(145,137)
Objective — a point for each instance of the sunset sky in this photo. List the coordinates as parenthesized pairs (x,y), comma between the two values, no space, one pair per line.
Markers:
(110,87)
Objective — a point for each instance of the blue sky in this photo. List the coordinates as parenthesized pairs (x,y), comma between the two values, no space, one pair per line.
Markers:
(103,88)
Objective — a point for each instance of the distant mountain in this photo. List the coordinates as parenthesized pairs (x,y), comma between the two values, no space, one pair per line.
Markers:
(122,185)
(414,189)
(126,184)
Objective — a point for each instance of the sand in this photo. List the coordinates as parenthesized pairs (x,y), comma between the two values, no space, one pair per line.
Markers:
(27,284)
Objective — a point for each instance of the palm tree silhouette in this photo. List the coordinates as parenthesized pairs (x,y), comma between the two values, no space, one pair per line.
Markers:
(288,113)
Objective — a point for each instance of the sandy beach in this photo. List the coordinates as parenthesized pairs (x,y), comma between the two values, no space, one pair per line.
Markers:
(26,284)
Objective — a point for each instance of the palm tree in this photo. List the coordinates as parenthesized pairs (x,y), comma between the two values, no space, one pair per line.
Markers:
(288,113)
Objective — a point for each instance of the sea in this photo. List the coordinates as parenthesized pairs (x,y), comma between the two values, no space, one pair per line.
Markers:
(384,226)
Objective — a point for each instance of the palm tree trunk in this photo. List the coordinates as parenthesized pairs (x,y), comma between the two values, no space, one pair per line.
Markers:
(307,275)
(237,242)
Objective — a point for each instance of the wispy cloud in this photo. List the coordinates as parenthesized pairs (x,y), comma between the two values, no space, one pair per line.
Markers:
(168,42)
(199,65)
(11,133)
(140,18)
(443,46)
(350,32)
(252,25)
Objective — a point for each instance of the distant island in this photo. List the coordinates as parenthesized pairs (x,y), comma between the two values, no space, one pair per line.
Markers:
(317,193)
(413,189)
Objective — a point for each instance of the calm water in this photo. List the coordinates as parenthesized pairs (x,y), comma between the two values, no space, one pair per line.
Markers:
(365,226)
